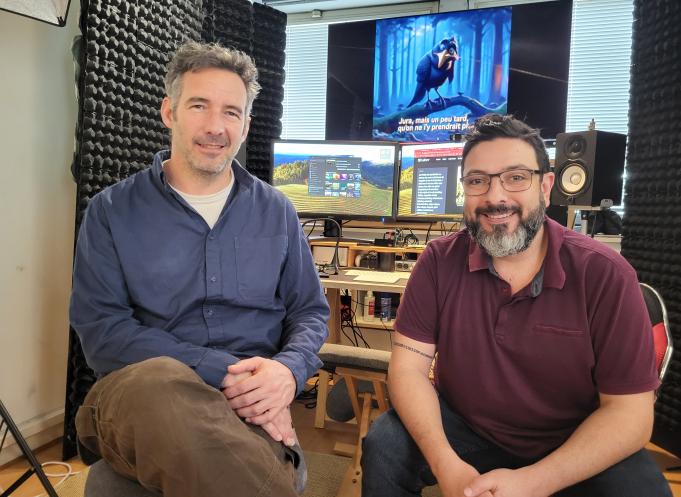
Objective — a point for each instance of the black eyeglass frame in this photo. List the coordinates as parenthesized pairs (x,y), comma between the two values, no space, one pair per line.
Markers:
(490,176)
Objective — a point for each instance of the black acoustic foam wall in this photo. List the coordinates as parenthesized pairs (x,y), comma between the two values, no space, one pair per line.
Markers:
(269,42)
(259,31)
(123,55)
(651,234)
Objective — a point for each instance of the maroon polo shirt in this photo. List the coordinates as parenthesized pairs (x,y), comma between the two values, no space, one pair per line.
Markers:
(525,370)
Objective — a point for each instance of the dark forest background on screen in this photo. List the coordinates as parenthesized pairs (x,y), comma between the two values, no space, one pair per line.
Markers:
(537,76)
(434,75)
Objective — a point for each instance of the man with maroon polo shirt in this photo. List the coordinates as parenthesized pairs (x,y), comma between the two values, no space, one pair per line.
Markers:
(545,374)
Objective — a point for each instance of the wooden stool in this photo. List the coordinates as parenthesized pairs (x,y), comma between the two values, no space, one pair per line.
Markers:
(354,364)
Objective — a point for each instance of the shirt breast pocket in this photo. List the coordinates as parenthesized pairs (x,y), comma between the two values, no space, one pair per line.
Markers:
(258,265)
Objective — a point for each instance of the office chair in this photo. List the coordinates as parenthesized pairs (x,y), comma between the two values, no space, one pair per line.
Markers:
(7,422)
(102,481)
(662,337)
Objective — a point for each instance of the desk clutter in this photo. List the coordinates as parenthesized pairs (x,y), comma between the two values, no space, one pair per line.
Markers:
(377,257)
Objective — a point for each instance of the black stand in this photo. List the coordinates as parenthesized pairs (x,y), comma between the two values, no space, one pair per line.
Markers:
(28,453)
(333,229)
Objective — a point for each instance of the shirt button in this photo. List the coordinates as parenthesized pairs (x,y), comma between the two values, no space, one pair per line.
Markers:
(209,312)
(211,237)
(213,279)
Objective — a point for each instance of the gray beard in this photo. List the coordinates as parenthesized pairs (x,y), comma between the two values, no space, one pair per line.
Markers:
(500,243)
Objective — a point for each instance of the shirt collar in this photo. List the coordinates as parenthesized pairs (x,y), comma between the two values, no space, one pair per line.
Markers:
(553,273)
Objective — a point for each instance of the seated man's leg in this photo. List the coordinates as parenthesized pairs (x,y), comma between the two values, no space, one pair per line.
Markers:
(157,422)
(635,476)
(392,463)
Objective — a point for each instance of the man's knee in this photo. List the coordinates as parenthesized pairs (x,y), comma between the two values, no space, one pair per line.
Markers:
(634,476)
(638,474)
(160,369)
(381,429)
(154,375)
(153,388)
(386,439)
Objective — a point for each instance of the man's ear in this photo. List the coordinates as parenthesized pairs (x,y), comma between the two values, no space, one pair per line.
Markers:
(167,112)
(546,185)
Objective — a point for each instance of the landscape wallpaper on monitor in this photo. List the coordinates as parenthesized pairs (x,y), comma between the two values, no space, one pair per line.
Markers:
(348,180)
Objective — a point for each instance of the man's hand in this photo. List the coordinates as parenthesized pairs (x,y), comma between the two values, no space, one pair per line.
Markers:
(504,483)
(281,428)
(257,389)
(454,475)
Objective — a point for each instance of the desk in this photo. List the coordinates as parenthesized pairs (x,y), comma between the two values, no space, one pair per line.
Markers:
(334,283)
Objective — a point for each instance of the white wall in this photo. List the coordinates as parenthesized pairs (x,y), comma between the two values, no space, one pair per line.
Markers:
(37,205)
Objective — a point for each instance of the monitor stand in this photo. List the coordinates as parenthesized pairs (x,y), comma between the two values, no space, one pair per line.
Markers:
(333,231)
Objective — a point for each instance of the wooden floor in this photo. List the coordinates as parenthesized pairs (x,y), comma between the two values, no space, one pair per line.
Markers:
(313,439)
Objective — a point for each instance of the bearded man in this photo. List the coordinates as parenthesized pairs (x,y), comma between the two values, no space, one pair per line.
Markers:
(545,373)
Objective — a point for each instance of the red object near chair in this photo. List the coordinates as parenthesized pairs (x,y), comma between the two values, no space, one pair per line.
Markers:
(662,337)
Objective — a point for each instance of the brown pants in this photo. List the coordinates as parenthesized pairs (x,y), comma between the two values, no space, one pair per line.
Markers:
(157,422)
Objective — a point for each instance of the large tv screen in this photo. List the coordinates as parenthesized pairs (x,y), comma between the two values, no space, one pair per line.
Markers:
(524,73)
(434,75)
(348,180)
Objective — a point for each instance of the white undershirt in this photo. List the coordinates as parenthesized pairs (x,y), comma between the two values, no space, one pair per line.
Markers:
(208,206)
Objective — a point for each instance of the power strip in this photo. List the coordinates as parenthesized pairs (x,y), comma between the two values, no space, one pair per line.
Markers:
(405,265)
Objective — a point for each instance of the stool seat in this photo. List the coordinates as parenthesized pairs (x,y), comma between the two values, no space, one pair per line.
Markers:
(334,355)
(102,481)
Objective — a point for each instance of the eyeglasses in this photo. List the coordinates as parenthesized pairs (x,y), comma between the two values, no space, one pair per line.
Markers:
(515,180)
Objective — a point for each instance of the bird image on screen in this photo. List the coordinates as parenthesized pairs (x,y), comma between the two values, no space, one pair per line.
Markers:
(436,67)
(461,57)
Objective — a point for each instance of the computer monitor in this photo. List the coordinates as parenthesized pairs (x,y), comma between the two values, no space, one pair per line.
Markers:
(429,186)
(339,179)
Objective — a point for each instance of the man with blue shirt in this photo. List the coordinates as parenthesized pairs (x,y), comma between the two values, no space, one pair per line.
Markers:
(196,300)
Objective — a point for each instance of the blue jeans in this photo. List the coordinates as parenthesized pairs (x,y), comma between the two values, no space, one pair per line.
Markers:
(393,465)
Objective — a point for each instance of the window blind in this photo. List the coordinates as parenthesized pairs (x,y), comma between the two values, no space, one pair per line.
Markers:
(600,63)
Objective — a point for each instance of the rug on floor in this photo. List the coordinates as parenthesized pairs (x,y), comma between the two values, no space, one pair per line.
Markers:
(325,473)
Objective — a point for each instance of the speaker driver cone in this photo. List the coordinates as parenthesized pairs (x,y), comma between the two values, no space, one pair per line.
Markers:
(572,179)
(575,146)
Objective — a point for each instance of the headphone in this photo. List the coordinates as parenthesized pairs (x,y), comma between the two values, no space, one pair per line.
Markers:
(368,260)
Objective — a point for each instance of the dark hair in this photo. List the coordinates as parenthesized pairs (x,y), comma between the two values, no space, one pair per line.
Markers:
(492,126)
(194,56)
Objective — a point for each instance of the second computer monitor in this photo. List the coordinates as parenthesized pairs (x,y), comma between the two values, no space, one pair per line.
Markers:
(346,180)
(429,186)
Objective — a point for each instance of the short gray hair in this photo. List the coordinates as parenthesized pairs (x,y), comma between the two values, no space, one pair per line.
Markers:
(194,56)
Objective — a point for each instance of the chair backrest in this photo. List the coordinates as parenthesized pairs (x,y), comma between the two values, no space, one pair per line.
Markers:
(661,333)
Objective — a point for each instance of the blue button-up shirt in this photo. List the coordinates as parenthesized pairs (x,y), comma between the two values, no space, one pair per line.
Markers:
(152,279)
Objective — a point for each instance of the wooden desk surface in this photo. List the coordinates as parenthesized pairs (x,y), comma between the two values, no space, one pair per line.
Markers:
(354,246)
(342,280)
